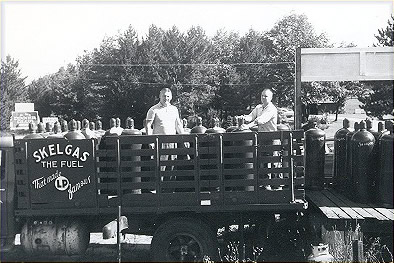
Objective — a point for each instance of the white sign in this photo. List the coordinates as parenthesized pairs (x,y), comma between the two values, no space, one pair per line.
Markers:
(23,107)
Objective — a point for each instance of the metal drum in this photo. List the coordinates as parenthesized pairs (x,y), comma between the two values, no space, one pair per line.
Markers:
(385,176)
(315,140)
(362,144)
(340,156)
(57,237)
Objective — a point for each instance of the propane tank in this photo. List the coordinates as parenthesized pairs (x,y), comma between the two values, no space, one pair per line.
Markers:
(86,131)
(57,132)
(230,124)
(130,130)
(41,129)
(362,144)
(198,128)
(184,124)
(340,156)
(348,179)
(315,140)
(48,127)
(384,181)
(92,126)
(64,127)
(54,237)
(216,127)
(32,132)
(118,126)
(374,165)
(73,133)
(79,125)
(320,253)
(99,128)
(112,131)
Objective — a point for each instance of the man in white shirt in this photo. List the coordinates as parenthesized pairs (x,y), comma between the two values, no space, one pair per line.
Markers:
(264,115)
(163,116)
(165,119)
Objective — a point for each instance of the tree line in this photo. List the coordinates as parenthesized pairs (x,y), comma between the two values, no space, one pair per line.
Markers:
(210,76)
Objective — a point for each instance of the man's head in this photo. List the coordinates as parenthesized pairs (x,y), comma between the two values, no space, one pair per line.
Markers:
(165,96)
(266,96)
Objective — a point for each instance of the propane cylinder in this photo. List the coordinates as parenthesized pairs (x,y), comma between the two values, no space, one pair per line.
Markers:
(41,129)
(32,132)
(86,131)
(374,165)
(79,125)
(184,124)
(348,179)
(73,133)
(340,156)
(198,128)
(92,126)
(320,253)
(362,144)
(48,127)
(130,130)
(55,237)
(216,127)
(230,124)
(118,126)
(64,126)
(99,128)
(113,130)
(57,132)
(315,140)
(384,181)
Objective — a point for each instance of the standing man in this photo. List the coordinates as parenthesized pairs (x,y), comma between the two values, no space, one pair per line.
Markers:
(265,115)
(165,119)
(163,116)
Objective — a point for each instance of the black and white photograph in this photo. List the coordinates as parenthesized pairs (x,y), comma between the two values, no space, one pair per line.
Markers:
(196,131)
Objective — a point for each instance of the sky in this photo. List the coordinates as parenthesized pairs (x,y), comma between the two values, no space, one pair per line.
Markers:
(46,35)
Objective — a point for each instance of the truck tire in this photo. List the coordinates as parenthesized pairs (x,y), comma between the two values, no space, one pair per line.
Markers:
(183,240)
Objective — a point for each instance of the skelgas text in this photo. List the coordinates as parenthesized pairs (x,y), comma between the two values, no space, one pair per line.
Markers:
(56,149)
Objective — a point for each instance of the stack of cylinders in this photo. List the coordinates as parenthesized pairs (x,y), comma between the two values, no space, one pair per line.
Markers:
(348,179)
(64,126)
(385,177)
(340,156)
(57,132)
(315,140)
(362,144)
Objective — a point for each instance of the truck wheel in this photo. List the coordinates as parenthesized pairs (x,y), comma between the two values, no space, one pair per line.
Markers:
(183,240)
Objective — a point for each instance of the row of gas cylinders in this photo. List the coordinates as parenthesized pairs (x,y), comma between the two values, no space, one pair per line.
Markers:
(86,130)
(363,161)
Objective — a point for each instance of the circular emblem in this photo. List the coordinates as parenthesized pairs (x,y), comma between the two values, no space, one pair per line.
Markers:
(61,183)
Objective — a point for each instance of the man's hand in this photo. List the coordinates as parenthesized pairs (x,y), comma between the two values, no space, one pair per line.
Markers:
(152,145)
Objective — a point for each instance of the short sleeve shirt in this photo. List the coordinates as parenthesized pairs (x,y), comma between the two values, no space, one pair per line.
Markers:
(164,118)
(267,117)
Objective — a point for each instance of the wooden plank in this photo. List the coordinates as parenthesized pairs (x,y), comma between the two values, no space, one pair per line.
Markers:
(386,212)
(333,206)
(321,205)
(359,208)
(348,210)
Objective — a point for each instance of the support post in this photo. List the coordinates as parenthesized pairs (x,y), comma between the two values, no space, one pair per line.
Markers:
(297,92)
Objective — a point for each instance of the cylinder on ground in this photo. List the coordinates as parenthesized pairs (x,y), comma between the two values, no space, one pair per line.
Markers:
(340,156)
(57,237)
(384,181)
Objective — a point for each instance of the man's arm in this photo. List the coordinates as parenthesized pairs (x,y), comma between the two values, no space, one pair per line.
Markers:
(178,124)
(150,116)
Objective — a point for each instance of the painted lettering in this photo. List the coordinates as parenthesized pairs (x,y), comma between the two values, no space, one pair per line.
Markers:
(75,188)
